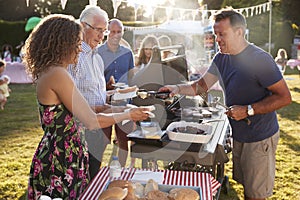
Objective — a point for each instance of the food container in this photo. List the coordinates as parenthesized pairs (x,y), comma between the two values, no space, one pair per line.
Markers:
(182,134)
(151,130)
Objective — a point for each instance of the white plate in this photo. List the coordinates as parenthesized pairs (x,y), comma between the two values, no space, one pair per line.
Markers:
(119,85)
(189,137)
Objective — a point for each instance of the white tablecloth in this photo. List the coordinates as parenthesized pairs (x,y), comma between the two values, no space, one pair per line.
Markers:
(205,181)
(17,73)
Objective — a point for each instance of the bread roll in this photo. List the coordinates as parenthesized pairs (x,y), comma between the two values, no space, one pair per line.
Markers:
(139,189)
(157,195)
(183,194)
(114,193)
(128,89)
(150,186)
(124,184)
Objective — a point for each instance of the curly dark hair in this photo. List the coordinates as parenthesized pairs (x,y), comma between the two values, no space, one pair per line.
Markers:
(54,41)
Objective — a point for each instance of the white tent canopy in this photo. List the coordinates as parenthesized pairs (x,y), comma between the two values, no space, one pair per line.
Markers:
(178,27)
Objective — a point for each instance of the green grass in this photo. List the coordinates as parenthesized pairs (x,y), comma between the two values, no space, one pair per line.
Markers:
(20,133)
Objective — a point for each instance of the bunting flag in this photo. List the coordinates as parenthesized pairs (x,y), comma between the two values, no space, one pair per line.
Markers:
(63,3)
(116,4)
(93,2)
(204,13)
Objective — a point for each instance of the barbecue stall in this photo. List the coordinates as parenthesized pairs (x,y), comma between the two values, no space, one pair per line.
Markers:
(182,154)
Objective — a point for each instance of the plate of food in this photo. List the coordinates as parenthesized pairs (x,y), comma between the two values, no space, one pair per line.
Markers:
(189,132)
(125,93)
(119,85)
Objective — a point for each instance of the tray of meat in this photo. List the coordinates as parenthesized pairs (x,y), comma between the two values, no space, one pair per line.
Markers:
(189,132)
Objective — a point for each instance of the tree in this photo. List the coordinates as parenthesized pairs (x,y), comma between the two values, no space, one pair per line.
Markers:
(16,10)
(290,11)
(213,4)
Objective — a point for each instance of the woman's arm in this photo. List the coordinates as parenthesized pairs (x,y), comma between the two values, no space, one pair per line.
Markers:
(71,97)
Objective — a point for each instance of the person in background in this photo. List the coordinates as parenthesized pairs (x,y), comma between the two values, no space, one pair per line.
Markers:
(3,99)
(145,52)
(118,65)
(281,60)
(165,41)
(4,90)
(254,89)
(60,167)
(7,53)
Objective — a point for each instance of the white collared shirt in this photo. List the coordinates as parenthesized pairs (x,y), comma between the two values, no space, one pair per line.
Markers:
(89,76)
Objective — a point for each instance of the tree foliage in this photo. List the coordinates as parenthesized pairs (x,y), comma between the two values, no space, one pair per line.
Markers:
(16,10)
(290,13)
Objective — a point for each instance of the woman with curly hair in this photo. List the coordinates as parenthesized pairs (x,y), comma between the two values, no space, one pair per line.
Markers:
(60,166)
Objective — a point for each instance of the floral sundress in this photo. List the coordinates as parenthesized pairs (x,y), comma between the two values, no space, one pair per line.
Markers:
(59,167)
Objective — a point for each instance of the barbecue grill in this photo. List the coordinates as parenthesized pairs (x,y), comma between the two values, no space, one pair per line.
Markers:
(159,72)
(209,157)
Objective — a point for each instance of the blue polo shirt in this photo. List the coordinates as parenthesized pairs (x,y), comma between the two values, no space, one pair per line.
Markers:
(245,78)
(116,64)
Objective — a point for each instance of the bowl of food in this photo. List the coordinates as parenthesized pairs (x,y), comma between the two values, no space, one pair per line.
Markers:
(189,132)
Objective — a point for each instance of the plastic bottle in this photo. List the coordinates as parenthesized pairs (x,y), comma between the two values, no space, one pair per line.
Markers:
(115,168)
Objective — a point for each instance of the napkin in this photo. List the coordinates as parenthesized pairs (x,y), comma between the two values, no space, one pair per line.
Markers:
(143,176)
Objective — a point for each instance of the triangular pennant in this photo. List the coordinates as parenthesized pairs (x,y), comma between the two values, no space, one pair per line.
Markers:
(63,3)
(264,7)
(194,14)
(252,11)
(116,4)
(268,6)
(27,3)
(93,2)
(169,12)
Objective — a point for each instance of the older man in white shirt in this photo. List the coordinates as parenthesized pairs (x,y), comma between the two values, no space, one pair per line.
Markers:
(89,78)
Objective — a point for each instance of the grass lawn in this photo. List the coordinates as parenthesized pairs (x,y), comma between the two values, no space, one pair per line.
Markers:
(20,133)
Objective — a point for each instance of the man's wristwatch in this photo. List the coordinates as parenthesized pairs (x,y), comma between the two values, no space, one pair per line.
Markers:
(250,110)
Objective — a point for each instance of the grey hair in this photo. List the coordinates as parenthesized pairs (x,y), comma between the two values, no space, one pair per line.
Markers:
(90,11)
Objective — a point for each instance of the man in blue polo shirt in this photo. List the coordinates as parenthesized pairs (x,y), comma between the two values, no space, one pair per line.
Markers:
(118,62)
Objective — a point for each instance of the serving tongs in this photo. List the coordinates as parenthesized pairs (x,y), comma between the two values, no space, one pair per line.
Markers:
(217,101)
(143,94)
(169,107)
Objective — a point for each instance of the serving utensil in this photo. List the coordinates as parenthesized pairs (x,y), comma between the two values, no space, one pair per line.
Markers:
(203,96)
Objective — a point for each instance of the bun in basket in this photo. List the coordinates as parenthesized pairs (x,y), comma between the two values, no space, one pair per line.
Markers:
(116,193)
(183,194)
(128,89)
(139,189)
(150,186)
(124,184)
(157,195)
